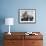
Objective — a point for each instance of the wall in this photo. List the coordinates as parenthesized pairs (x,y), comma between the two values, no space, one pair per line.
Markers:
(9,8)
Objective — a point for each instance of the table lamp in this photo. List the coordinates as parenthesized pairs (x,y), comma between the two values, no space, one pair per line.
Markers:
(9,21)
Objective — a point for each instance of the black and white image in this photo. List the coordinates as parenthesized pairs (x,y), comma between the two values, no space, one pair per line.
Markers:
(27,15)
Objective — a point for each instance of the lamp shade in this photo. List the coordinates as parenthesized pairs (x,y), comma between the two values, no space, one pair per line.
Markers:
(9,21)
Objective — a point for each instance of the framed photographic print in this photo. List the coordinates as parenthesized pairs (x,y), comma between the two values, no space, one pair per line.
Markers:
(27,15)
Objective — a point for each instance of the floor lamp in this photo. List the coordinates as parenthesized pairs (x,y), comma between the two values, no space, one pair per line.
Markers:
(9,21)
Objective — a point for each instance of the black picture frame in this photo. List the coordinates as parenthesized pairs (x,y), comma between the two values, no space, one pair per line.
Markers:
(26,16)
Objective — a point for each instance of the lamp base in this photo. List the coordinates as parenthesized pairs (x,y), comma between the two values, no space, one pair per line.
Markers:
(9,33)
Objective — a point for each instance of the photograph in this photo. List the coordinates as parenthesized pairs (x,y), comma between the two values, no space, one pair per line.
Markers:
(27,15)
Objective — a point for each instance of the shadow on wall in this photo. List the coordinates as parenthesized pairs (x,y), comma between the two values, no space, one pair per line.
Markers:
(1,39)
(2,21)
